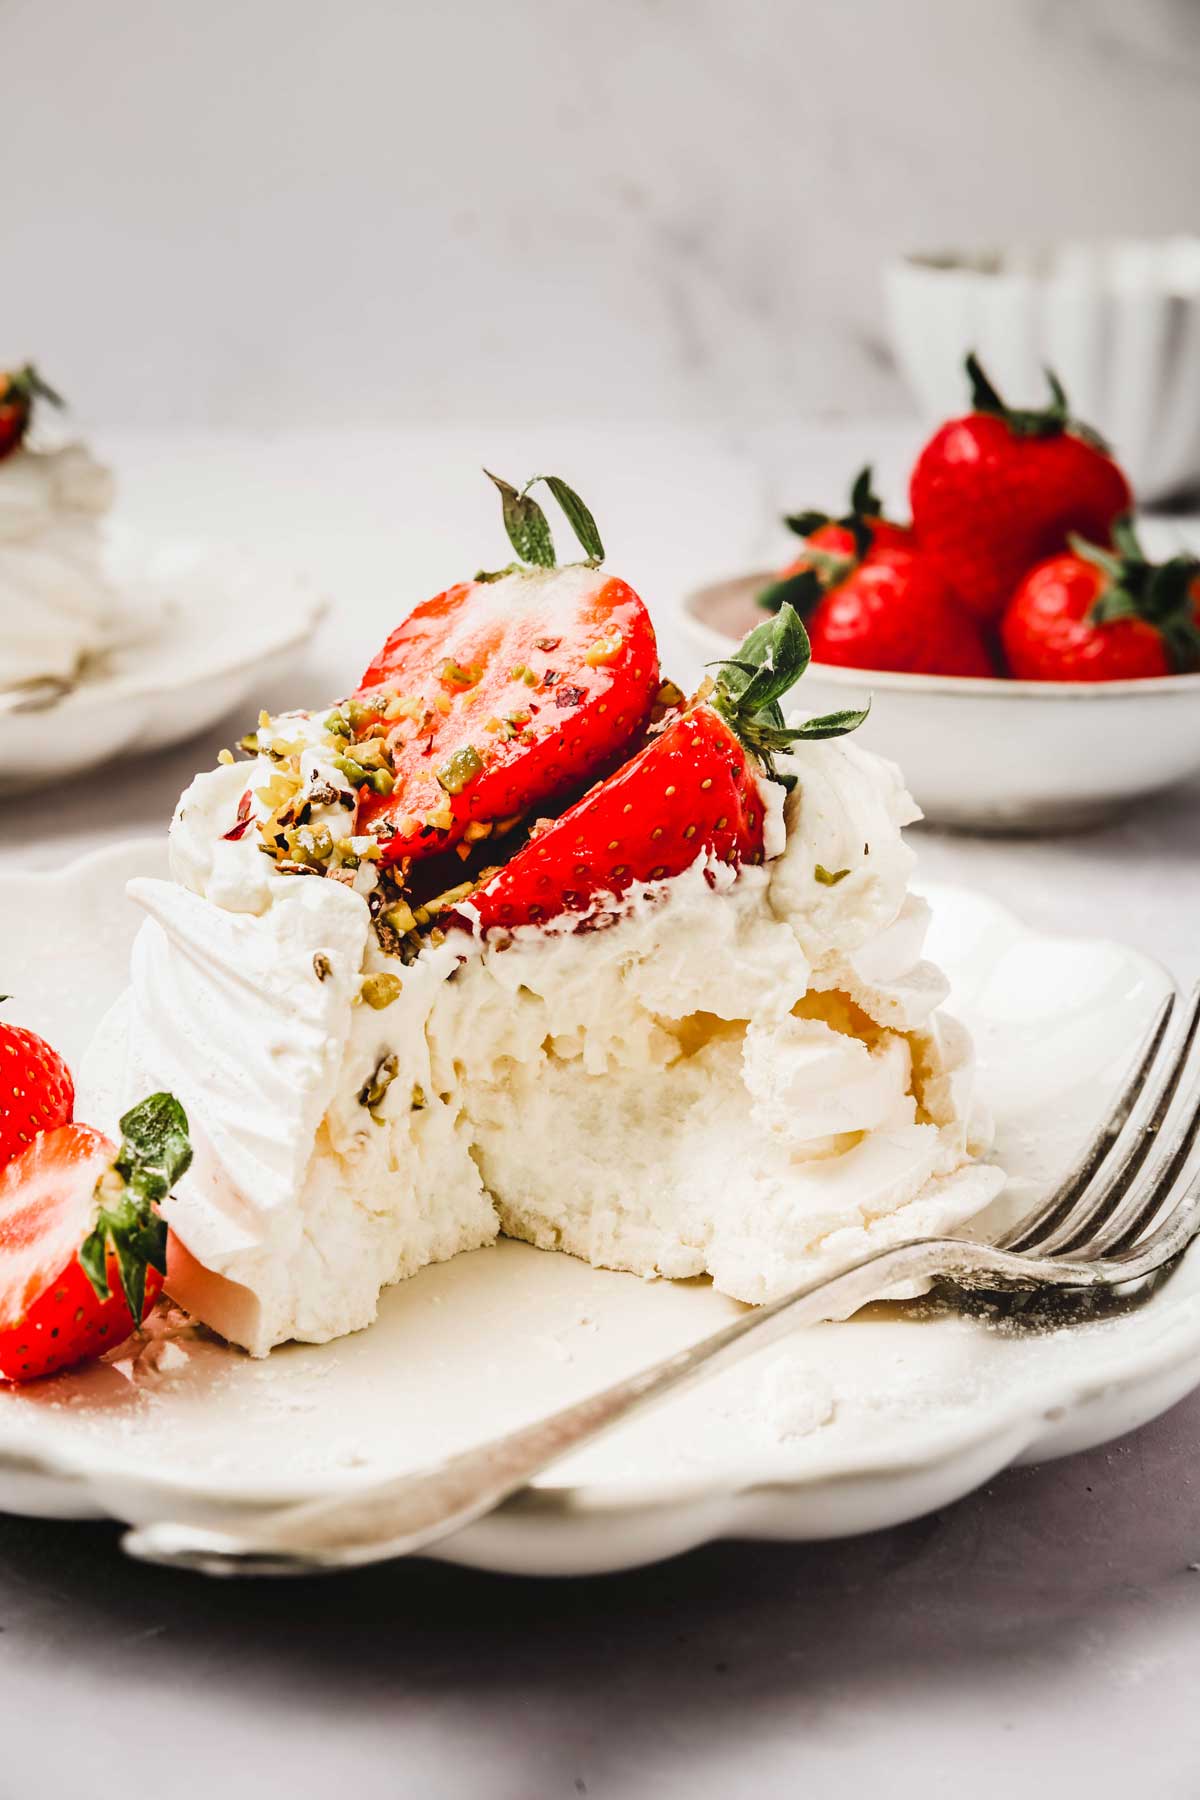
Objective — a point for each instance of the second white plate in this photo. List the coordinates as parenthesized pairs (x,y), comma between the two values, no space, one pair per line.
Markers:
(225,619)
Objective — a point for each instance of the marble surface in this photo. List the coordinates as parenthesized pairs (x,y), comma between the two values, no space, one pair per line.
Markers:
(1047,1628)
(672,208)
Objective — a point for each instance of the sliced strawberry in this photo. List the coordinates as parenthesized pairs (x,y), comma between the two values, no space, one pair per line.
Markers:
(695,790)
(36,1091)
(82,1250)
(499,694)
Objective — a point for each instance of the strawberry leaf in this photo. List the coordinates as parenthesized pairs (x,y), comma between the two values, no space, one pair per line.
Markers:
(831,725)
(1038,422)
(801,591)
(154,1153)
(526,524)
(155,1150)
(750,685)
(578,516)
(866,509)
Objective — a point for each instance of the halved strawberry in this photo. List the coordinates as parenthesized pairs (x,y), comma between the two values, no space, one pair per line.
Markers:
(695,790)
(36,1091)
(501,692)
(82,1248)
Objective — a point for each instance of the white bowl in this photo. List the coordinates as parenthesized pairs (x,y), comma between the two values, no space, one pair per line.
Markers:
(992,755)
(1118,322)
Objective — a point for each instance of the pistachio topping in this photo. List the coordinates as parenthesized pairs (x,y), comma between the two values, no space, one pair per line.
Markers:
(460,770)
(376,1086)
(380,990)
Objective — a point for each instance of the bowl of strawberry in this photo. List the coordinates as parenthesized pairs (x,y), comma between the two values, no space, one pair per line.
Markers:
(1028,663)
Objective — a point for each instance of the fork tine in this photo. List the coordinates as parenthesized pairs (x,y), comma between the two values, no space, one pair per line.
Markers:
(1142,1206)
(1101,1200)
(1052,1211)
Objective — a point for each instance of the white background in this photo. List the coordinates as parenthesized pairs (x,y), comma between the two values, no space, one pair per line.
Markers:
(274,211)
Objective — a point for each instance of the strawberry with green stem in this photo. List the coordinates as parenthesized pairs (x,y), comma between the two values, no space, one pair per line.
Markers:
(834,547)
(82,1245)
(502,692)
(1105,615)
(1001,489)
(19,388)
(694,791)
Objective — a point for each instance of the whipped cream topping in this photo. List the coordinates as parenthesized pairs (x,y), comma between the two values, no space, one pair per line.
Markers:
(57,606)
(740,1074)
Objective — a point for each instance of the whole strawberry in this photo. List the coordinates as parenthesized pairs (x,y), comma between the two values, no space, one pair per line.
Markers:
(1001,489)
(19,388)
(36,1092)
(833,546)
(1099,615)
(893,612)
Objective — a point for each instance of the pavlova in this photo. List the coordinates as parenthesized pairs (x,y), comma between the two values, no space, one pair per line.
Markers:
(59,607)
(518,939)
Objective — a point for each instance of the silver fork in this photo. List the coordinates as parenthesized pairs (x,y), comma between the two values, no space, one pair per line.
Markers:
(1111,1223)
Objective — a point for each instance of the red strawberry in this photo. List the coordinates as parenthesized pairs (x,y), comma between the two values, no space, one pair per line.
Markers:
(502,692)
(19,388)
(82,1249)
(893,612)
(1000,490)
(36,1091)
(834,546)
(1097,616)
(694,790)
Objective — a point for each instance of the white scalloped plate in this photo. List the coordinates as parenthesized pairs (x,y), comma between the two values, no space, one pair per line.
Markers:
(849,1428)
(222,619)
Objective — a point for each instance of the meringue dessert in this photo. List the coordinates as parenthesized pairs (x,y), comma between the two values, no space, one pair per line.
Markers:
(57,606)
(517,939)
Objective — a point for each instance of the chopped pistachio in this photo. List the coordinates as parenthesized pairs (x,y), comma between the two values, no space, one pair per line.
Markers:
(829,878)
(399,917)
(383,781)
(453,675)
(225,756)
(461,769)
(604,650)
(352,770)
(359,714)
(477,829)
(450,897)
(336,724)
(376,1086)
(380,990)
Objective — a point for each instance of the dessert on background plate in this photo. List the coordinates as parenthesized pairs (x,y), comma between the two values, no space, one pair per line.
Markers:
(59,606)
(517,939)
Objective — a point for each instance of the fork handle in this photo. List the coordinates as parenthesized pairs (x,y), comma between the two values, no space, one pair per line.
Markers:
(408,1513)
